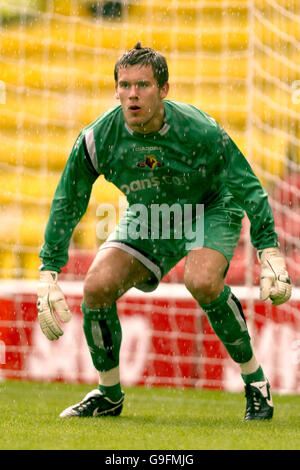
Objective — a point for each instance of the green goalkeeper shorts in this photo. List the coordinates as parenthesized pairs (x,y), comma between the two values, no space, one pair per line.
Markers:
(220,230)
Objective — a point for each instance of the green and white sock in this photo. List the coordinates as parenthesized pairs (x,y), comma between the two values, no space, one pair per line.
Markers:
(103,334)
(114,392)
(257,376)
(226,318)
(109,383)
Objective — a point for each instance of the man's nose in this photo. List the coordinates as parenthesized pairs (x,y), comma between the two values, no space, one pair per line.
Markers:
(133,92)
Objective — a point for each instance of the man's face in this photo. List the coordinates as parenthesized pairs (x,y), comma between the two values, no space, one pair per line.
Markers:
(141,98)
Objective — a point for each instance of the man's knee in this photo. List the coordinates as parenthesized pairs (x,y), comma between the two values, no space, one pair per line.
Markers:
(204,274)
(111,274)
(101,288)
(204,288)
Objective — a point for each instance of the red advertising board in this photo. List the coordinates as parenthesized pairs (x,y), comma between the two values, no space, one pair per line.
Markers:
(167,340)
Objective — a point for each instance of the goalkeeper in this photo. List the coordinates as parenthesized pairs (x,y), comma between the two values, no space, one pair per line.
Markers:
(159,151)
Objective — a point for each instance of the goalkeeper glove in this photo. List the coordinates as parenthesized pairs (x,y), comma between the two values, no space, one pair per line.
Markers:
(274,279)
(50,299)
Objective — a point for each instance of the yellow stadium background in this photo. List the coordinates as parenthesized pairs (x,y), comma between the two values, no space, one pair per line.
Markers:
(237,60)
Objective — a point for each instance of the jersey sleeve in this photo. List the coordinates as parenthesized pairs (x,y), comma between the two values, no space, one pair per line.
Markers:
(69,204)
(249,193)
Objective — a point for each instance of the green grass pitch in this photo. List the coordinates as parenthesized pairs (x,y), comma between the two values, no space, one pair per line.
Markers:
(152,418)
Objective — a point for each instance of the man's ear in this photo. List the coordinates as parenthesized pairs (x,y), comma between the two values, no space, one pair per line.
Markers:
(116,92)
(164,90)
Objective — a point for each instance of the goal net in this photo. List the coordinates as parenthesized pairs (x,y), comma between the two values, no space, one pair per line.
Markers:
(238,60)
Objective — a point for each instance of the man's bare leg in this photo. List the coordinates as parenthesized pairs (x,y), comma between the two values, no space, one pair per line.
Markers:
(204,278)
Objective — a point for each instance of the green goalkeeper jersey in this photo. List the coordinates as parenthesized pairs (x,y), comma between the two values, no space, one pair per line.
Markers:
(190,160)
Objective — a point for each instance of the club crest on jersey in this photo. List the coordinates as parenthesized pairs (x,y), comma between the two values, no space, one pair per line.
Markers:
(150,161)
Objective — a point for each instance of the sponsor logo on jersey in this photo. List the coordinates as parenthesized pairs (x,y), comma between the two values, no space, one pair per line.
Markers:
(150,161)
(154,181)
